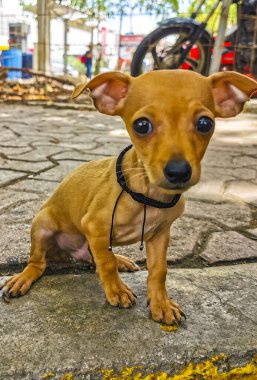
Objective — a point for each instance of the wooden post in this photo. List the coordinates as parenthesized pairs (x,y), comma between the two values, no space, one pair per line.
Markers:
(43,18)
(219,41)
(119,40)
(65,54)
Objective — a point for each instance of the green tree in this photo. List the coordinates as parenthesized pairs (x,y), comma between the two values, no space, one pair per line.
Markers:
(114,7)
(213,23)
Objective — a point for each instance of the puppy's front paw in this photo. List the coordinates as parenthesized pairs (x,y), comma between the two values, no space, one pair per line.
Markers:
(15,286)
(119,294)
(166,311)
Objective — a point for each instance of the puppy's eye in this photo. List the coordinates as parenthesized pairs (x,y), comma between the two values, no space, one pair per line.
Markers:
(142,127)
(204,125)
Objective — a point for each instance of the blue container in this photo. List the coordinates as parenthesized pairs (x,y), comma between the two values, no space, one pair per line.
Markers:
(27,63)
(12,58)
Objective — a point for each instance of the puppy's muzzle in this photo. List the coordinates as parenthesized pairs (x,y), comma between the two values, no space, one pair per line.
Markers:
(177,173)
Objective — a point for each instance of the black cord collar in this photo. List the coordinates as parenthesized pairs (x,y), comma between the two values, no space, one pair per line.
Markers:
(139,197)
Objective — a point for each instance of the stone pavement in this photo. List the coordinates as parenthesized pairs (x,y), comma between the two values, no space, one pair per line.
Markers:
(38,147)
(65,315)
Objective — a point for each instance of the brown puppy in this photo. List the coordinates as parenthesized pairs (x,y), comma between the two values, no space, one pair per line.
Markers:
(169,116)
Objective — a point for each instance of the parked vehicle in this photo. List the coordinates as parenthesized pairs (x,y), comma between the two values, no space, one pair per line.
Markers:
(186,43)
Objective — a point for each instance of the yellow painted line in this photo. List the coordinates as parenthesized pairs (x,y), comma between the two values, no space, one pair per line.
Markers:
(209,370)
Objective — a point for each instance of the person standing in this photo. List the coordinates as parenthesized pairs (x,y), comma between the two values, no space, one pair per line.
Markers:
(88,62)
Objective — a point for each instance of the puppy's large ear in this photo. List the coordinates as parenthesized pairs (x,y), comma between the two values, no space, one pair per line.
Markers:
(107,90)
(230,91)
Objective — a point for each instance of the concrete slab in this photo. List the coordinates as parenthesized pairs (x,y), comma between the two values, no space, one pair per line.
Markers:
(32,186)
(229,214)
(64,325)
(244,191)
(187,235)
(11,198)
(253,232)
(25,166)
(15,245)
(10,176)
(229,246)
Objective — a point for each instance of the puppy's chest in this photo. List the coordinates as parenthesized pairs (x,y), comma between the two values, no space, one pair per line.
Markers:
(128,230)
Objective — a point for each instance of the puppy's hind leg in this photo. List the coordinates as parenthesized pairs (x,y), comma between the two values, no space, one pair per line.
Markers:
(42,230)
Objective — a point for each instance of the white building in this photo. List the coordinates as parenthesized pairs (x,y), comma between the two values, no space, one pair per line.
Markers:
(19,28)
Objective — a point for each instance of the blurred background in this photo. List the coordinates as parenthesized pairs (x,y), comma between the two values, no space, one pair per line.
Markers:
(67,29)
(56,43)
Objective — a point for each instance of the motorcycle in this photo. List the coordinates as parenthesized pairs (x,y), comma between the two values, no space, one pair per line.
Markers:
(187,44)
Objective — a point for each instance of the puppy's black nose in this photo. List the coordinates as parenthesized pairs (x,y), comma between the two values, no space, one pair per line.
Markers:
(177,171)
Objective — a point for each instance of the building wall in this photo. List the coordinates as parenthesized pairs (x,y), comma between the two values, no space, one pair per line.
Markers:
(78,40)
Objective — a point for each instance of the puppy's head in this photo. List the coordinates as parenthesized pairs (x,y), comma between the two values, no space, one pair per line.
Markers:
(170,116)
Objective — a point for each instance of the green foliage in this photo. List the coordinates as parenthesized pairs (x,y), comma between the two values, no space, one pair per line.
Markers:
(159,6)
(26,6)
(92,7)
(114,7)
(213,23)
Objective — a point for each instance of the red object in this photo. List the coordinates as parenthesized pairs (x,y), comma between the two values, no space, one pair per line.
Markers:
(104,40)
(227,59)
(131,40)
(83,59)
(195,54)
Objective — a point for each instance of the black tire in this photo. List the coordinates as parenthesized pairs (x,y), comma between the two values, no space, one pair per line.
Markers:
(150,43)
